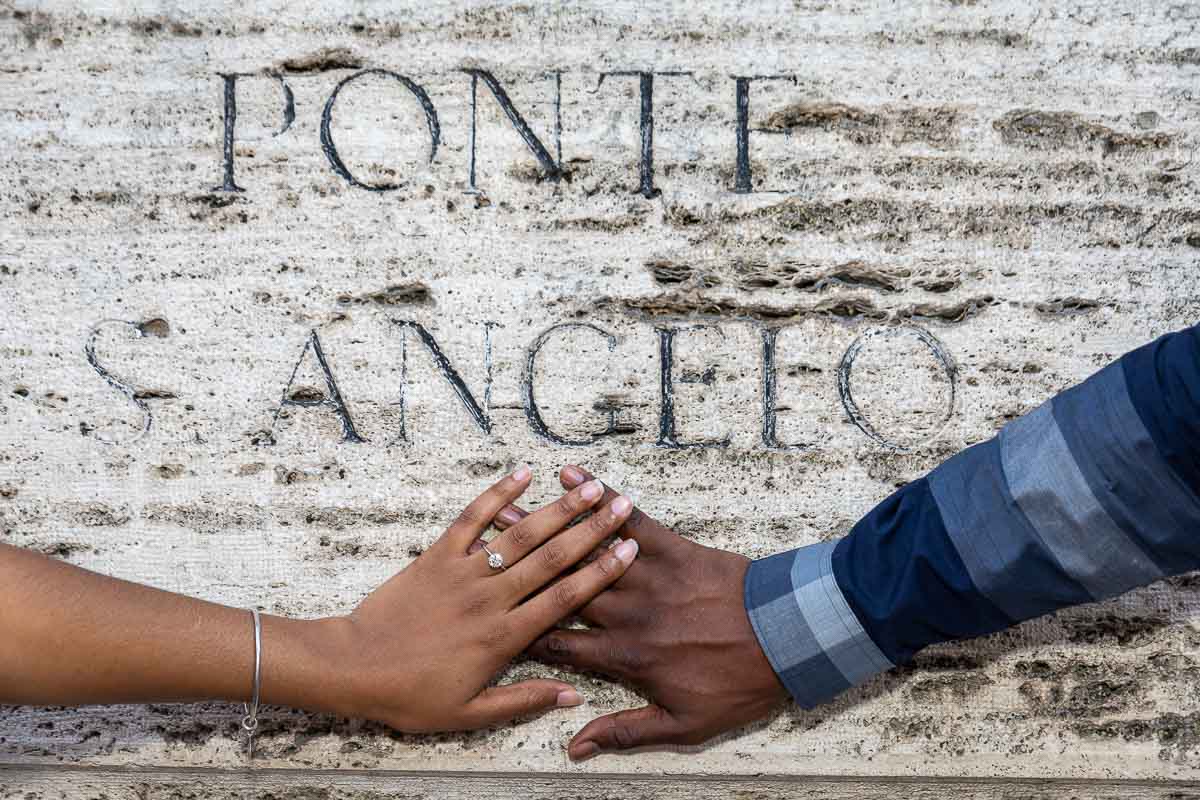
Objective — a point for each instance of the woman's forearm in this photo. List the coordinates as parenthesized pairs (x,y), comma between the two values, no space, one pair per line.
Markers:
(75,637)
(419,653)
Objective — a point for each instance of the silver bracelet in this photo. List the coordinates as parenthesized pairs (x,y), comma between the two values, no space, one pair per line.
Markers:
(250,721)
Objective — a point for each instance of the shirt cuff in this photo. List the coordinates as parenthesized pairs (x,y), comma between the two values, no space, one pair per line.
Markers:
(813,640)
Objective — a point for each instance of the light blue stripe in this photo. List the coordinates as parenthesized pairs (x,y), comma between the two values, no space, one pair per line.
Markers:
(1006,560)
(1048,486)
(1151,502)
(779,623)
(784,626)
(832,623)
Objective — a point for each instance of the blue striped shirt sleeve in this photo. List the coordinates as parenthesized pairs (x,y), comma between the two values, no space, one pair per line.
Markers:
(1089,495)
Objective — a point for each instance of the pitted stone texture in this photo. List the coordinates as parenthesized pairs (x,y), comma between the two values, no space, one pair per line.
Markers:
(1014,180)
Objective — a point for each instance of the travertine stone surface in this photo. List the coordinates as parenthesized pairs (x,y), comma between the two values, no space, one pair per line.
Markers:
(979,202)
(19,783)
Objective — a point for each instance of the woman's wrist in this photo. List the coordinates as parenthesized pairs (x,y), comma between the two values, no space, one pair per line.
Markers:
(304,663)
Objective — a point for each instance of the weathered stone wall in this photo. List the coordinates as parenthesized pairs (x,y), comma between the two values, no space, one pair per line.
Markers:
(955,210)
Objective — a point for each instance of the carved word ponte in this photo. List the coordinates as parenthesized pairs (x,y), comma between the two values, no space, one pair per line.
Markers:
(551,165)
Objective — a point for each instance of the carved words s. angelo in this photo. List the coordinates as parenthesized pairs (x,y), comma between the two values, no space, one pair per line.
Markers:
(325,395)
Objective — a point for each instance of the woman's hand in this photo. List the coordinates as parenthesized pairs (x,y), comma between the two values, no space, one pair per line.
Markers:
(419,652)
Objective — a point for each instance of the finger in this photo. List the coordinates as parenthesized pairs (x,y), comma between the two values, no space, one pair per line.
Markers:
(652,535)
(528,534)
(606,609)
(589,650)
(564,597)
(509,515)
(502,703)
(597,551)
(476,517)
(625,730)
(561,552)
(476,546)
(606,606)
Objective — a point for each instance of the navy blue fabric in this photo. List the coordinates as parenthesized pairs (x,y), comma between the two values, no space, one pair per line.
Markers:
(1152,504)
(905,581)
(1088,495)
(1003,554)
(1163,379)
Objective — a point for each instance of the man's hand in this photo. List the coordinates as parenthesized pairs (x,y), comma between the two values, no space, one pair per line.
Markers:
(675,627)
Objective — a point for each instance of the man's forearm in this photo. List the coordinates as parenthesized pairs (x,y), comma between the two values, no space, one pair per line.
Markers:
(76,637)
(1089,495)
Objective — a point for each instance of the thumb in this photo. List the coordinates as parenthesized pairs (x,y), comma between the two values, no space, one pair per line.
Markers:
(625,730)
(502,703)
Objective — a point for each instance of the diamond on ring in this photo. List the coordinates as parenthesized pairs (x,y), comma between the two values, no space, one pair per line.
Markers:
(495,560)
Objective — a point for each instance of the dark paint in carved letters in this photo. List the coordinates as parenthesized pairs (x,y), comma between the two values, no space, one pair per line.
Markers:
(331,399)
(552,169)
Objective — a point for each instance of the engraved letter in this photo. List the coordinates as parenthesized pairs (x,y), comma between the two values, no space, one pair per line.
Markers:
(742,183)
(332,399)
(478,414)
(552,169)
(936,348)
(327,146)
(534,414)
(154,327)
(771,392)
(667,436)
(646,86)
(230,84)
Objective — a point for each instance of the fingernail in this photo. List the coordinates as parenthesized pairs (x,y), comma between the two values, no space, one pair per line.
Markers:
(591,490)
(621,506)
(585,751)
(522,474)
(508,516)
(572,475)
(569,697)
(626,550)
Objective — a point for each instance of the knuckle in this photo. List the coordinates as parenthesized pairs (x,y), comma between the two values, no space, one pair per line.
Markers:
(468,517)
(552,556)
(565,506)
(497,636)
(520,536)
(624,736)
(532,698)
(607,566)
(629,661)
(601,522)
(558,647)
(458,579)
(565,594)
(477,605)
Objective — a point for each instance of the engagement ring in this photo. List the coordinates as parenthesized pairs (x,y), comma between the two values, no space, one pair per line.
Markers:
(495,560)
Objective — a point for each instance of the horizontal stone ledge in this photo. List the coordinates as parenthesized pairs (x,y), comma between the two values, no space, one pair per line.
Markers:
(67,782)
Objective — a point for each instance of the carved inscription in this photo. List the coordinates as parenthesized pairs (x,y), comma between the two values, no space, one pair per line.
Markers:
(323,394)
